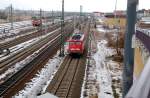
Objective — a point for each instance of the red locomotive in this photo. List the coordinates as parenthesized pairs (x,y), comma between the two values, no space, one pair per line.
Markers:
(76,43)
(36,21)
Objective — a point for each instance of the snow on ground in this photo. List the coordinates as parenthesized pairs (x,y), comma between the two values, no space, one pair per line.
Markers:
(15,24)
(21,64)
(103,75)
(101,20)
(15,68)
(101,29)
(42,79)
(15,32)
(14,50)
(23,45)
(19,47)
(100,73)
(17,27)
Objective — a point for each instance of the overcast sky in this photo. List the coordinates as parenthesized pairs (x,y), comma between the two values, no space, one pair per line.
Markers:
(72,5)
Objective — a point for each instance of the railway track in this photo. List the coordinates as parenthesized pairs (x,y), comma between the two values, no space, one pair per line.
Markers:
(20,28)
(68,78)
(22,31)
(25,37)
(20,55)
(28,36)
(7,87)
(11,60)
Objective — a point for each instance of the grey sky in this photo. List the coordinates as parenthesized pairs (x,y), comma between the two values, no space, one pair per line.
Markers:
(72,5)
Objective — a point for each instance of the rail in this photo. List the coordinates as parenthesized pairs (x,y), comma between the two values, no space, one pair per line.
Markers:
(27,69)
(7,62)
(27,36)
(68,78)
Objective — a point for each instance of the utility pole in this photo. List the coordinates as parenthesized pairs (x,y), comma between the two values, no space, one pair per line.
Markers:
(74,22)
(41,19)
(11,13)
(80,18)
(62,31)
(81,12)
(129,52)
(52,17)
(45,16)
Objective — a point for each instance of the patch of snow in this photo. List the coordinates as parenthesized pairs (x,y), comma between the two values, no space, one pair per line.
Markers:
(24,45)
(101,20)
(42,79)
(47,95)
(22,63)
(103,75)
(98,80)
(101,29)
(17,27)
(14,32)
(16,67)
(20,47)
(83,85)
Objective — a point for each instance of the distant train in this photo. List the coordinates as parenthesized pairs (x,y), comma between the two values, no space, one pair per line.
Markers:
(76,43)
(36,21)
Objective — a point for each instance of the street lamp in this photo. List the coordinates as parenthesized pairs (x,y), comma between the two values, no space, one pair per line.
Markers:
(62,31)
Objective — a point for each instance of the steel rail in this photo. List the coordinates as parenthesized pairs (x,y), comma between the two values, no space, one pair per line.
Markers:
(9,83)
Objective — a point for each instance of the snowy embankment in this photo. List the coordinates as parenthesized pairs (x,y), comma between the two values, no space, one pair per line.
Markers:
(40,82)
(100,73)
(103,75)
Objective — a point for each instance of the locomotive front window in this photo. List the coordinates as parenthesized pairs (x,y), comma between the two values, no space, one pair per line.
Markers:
(74,43)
